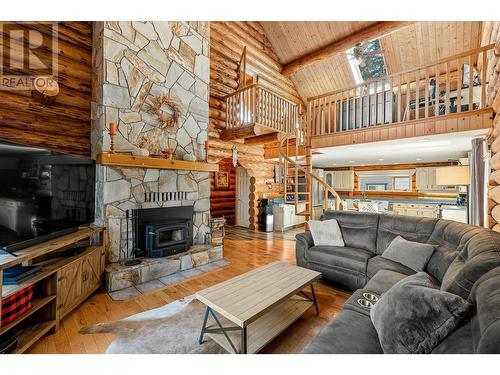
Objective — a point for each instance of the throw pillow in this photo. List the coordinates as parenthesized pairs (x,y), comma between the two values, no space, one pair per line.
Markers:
(326,232)
(409,253)
(414,316)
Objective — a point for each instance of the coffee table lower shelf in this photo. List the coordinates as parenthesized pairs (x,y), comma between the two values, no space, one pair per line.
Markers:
(265,328)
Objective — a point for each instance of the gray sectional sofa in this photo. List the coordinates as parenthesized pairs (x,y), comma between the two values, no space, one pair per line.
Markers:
(466,262)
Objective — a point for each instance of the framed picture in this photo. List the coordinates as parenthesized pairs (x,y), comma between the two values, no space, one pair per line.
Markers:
(221,180)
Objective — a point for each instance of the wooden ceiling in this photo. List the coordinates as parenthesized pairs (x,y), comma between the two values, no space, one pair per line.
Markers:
(406,48)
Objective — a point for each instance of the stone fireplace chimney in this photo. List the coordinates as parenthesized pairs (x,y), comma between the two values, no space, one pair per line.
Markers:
(135,64)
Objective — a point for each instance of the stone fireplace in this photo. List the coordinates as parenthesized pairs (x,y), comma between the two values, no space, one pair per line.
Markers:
(135,64)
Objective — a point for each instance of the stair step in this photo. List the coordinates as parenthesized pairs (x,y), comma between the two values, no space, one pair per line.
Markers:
(299,193)
(303,213)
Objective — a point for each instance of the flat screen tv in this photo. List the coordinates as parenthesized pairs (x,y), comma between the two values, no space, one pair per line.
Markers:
(43,194)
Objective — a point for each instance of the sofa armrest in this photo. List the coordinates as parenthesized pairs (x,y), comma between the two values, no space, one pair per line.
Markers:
(304,242)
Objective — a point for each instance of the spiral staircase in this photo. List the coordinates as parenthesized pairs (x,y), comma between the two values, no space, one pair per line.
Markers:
(255,110)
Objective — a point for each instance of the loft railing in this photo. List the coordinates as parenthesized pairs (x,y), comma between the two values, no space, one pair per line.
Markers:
(452,85)
(256,105)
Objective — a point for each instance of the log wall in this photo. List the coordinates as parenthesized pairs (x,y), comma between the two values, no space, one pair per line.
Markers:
(223,202)
(227,40)
(491,34)
(65,125)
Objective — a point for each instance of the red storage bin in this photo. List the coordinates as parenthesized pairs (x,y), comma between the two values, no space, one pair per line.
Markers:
(16,304)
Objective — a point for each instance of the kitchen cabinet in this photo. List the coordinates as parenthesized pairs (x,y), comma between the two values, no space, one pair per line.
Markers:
(340,180)
(426,181)
(416,209)
(317,189)
(285,217)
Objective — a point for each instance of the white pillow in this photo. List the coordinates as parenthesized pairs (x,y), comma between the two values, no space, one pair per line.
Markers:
(326,232)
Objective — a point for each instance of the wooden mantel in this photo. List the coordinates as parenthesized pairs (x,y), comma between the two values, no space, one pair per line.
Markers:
(126,160)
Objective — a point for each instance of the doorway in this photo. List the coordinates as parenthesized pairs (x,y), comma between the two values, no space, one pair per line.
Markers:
(242,197)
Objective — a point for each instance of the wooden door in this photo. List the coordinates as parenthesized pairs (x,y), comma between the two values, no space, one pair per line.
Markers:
(92,270)
(69,287)
(242,197)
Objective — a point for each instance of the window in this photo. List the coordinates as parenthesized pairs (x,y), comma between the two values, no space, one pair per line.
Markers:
(372,186)
(367,62)
(373,65)
(402,183)
(384,180)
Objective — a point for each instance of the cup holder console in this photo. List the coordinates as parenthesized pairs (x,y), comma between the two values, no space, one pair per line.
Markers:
(370,296)
(367,300)
(365,303)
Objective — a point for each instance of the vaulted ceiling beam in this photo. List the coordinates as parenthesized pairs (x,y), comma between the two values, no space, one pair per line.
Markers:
(376,30)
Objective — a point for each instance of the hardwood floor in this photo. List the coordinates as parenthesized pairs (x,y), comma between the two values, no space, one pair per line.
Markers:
(245,250)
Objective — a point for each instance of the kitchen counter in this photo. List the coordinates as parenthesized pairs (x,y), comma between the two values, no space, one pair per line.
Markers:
(409,200)
(432,208)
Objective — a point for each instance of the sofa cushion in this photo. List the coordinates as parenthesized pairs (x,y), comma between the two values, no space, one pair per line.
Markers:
(348,333)
(486,324)
(326,232)
(459,341)
(449,238)
(378,263)
(414,316)
(383,281)
(359,229)
(412,228)
(414,255)
(480,254)
(343,257)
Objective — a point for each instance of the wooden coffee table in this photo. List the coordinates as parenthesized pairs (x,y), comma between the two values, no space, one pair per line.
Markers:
(251,309)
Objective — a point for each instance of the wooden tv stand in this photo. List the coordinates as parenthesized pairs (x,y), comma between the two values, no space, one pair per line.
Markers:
(62,285)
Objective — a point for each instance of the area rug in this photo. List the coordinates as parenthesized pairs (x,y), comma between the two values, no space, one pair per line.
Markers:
(170,329)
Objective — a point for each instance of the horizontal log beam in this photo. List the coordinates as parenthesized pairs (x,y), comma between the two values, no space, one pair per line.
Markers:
(262,139)
(340,46)
(242,132)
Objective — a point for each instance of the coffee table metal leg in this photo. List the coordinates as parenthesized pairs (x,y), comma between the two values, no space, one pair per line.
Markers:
(244,340)
(314,299)
(200,340)
(221,329)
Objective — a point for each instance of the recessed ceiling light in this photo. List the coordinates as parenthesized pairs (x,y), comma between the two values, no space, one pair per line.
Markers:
(419,159)
(423,140)
(351,161)
(380,159)
(350,148)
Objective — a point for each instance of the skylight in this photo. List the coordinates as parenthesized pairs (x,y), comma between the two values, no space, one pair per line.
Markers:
(367,61)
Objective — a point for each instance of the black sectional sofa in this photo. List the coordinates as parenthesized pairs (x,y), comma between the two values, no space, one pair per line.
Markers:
(466,262)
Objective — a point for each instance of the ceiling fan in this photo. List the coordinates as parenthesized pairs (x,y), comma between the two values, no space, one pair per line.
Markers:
(360,52)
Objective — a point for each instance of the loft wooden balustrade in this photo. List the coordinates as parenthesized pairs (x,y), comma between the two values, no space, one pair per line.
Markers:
(255,110)
(444,96)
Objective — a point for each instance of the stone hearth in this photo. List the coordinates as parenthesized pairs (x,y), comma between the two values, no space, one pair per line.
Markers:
(119,276)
